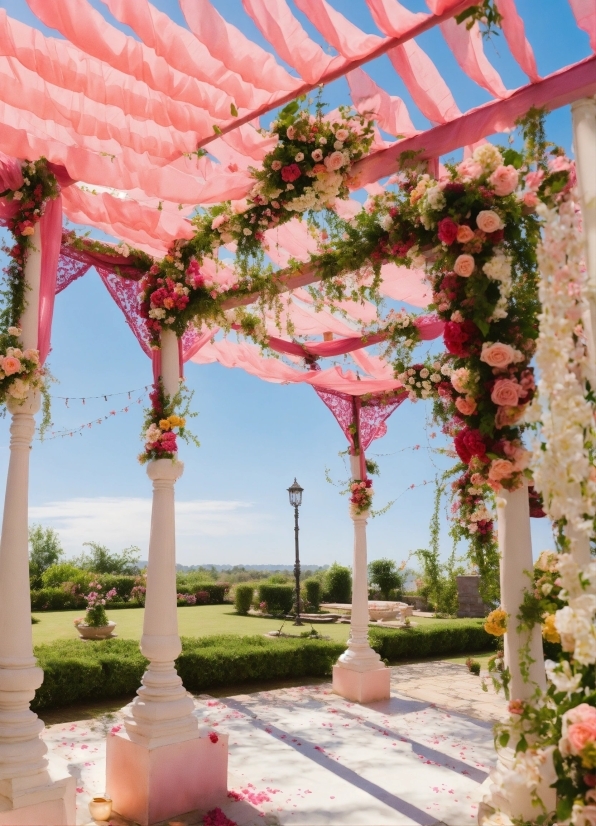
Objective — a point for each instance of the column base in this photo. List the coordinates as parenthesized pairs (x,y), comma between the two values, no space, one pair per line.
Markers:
(50,803)
(516,800)
(362,686)
(149,784)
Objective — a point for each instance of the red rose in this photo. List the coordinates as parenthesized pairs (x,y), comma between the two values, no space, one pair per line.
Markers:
(495,237)
(460,337)
(447,231)
(213,737)
(469,443)
(290,173)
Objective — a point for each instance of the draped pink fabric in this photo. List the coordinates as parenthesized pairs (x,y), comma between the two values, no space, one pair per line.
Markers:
(466,45)
(424,82)
(350,41)
(50,226)
(515,34)
(234,49)
(392,18)
(389,111)
(584,12)
(8,209)
(11,174)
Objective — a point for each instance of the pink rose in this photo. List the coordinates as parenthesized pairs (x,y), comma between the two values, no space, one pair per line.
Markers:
(589,815)
(342,134)
(464,265)
(534,179)
(291,132)
(559,164)
(488,221)
(497,354)
(11,365)
(317,155)
(505,392)
(583,713)
(508,416)
(530,200)
(464,234)
(469,169)
(276,165)
(504,180)
(447,231)
(500,469)
(239,206)
(291,172)
(334,161)
(465,406)
(516,707)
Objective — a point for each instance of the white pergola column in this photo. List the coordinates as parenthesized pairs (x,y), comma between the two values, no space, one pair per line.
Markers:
(359,674)
(162,764)
(515,548)
(33,789)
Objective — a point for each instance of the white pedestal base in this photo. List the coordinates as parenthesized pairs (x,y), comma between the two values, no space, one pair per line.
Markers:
(362,686)
(148,784)
(25,802)
(517,802)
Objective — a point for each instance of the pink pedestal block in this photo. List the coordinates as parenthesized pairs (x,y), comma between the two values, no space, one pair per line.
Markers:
(361,686)
(150,784)
(53,804)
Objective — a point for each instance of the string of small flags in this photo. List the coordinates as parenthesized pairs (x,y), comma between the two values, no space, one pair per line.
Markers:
(104,396)
(60,434)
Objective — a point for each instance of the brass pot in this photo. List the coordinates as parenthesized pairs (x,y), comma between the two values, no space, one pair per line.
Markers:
(100,808)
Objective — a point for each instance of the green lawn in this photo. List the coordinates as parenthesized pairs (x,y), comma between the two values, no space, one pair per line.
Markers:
(194,621)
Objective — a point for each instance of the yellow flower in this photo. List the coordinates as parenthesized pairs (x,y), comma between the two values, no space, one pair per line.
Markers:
(174,421)
(165,424)
(496,622)
(549,632)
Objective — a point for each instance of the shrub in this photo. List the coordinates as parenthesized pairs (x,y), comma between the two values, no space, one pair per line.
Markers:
(312,589)
(45,551)
(202,598)
(243,598)
(55,599)
(473,666)
(385,574)
(279,598)
(121,582)
(186,599)
(57,575)
(435,640)
(216,590)
(338,584)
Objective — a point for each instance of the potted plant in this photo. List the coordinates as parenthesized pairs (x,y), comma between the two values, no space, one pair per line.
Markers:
(95,624)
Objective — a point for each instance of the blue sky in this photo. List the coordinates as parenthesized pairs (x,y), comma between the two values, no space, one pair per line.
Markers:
(255,437)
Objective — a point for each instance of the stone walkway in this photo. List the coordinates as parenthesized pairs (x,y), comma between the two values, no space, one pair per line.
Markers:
(303,756)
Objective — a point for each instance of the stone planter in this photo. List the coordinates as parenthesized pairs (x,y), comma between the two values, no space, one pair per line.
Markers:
(99,632)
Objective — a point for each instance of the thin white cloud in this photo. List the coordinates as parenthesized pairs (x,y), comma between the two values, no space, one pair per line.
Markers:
(121,521)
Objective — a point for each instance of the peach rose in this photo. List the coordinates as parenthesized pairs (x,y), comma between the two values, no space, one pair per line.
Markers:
(589,815)
(505,393)
(464,265)
(504,180)
(530,200)
(460,378)
(31,355)
(580,735)
(583,713)
(500,469)
(11,365)
(240,206)
(507,416)
(218,221)
(28,231)
(497,354)
(465,406)
(334,161)
(489,221)
(464,234)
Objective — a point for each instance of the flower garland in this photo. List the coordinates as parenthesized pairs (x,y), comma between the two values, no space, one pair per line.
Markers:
(306,171)
(556,730)
(163,425)
(20,371)
(361,496)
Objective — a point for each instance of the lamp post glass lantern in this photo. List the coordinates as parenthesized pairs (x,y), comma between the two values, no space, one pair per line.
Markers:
(295,493)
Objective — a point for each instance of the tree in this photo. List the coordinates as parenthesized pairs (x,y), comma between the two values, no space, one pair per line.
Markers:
(385,574)
(338,584)
(101,561)
(44,551)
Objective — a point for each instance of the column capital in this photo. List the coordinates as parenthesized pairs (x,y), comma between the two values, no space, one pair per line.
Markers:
(28,406)
(166,470)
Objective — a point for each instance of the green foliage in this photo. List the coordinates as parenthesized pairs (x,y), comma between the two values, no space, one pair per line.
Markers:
(473,666)
(337,585)
(55,599)
(77,672)
(100,560)
(217,591)
(243,598)
(385,574)
(279,598)
(123,584)
(313,591)
(56,575)
(96,617)
(44,551)
(485,13)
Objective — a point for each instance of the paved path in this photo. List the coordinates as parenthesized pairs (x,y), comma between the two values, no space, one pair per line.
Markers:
(305,757)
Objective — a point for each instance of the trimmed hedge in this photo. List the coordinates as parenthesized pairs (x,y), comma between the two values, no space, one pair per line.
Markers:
(279,598)
(216,591)
(243,598)
(56,599)
(77,672)
(313,591)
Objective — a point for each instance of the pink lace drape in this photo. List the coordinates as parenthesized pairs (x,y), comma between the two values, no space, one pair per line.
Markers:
(51,236)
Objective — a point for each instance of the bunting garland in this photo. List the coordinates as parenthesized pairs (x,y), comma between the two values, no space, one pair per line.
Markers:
(60,434)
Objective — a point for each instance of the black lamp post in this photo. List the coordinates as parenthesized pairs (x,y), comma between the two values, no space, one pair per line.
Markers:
(295,492)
